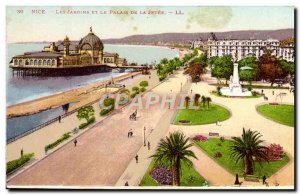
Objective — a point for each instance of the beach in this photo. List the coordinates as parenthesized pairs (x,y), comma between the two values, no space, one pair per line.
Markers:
(80,96)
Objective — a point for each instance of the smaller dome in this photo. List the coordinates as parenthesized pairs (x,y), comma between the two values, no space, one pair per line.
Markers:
(90,40)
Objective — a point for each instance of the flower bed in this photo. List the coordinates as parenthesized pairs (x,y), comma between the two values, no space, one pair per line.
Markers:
(184,121)
(162,175)
(273,103)
(201,138)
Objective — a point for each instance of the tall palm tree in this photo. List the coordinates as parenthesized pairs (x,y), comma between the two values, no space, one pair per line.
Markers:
(248,147)
(203,100)
(187,101)
(208,99)
(172,152)
(196,99)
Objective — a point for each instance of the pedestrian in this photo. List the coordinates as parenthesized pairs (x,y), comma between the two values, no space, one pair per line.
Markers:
(22,152)
(137,158)
(273,92)
(126,183)
(148,145)
(191,91)
(132,76)
(262,91)
(264,178)
(59,118)
(75,142)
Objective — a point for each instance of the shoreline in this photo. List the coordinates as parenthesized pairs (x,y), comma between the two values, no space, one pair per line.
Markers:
(80,95)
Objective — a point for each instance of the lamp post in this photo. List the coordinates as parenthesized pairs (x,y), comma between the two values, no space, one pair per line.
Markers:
(144,136)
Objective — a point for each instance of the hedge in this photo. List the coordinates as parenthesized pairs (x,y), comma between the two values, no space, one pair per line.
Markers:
(104,112)
(90,121)
(14,164)
(61,139)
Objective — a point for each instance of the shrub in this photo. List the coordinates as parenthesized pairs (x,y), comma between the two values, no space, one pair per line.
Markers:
(274,152)
(109,102)
(222,139)
(61,139)
(201,138)
(218,155)
(162,77)
(254,93)
(144,83)
(135,89)
(14,164)
(142,89)
(162,175)
(90,121)
(132,95)
(104,112)
(86,113)
(249,88)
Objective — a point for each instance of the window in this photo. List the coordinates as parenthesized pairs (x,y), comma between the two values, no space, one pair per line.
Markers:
(16,62)
(48,62)
(40,62)
(44,62)
(31,62)
(35,62)
(53,62)
(20,62)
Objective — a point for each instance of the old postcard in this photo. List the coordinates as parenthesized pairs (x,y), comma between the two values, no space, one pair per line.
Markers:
(150,97)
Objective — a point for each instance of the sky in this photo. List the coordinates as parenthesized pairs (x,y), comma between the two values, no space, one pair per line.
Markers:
(57,22)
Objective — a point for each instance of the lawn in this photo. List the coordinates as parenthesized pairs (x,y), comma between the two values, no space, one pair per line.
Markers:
(189,177)
(203,116)
(283,114)
(214,145)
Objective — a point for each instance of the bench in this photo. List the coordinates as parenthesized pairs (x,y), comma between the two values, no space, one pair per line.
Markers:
(213,134)
(251,178)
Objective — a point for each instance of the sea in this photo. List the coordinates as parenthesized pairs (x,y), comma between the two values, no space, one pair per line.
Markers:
(22,89)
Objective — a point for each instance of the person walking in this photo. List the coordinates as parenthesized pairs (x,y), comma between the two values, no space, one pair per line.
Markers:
(137,158)
(126,183)
(75,142)
(22,152)
(148,145)
(59,118)
(264,178)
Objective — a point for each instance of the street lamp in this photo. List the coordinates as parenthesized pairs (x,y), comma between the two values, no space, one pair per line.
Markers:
(144,136)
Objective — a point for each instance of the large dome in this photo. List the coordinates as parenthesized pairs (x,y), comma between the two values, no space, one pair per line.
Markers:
(90,41)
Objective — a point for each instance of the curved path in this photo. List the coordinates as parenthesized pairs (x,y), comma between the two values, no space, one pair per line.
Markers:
(245,115)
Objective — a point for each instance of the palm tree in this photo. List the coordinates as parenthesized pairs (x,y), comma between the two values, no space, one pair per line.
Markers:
(248,147)
(196,99)
(203,100)
(187,101)
(172,152)
(208,99)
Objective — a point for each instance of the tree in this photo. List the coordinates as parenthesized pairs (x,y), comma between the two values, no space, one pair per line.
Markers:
(251,73)
(269,68)
(187,101)
(172,152)
(208,99)
(203,100)
(196,99)
(222,67)
(248,147)
(195,71)
(159,68)
(287,67)
(86,113)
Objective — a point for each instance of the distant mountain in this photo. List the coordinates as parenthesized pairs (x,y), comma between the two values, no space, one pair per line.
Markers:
(185,38)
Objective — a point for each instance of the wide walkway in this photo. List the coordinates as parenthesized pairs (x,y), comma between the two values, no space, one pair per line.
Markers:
(102,153)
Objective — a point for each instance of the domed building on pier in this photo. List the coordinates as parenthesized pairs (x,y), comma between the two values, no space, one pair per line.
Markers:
(88,51)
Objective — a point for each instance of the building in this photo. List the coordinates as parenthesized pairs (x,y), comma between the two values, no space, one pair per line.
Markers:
(215,47)
(62,54)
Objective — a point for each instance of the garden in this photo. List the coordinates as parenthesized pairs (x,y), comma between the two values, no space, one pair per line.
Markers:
(202,116)
(282,113)
(15,164)
(161,175)
(222,150)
